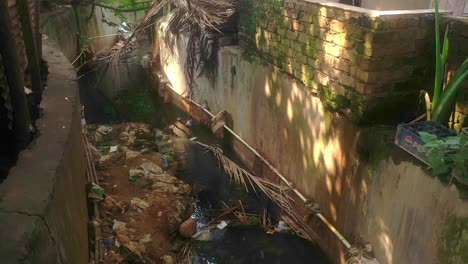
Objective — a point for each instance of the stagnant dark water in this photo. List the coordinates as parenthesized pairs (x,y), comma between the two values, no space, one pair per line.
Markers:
(135,101)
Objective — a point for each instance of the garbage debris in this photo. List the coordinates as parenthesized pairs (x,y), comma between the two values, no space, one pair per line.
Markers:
(139,203)
(104,130)
(151,168)
(209,234)
(27,90)
(113,149)
(222,225)
(188,228)
(166,160)
(135,174)
(146,238)
(95,196)
(98,190)
(124,235)
(144,202)
(108,243)
(146,61)
(112,156)
(168,259)
(282,227)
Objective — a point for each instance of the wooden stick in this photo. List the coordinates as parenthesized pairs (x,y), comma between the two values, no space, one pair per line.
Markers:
(224,214)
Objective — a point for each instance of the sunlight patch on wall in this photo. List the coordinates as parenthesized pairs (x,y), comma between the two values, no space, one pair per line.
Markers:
(329,183)
(290,113)
(267,89)
(333,212)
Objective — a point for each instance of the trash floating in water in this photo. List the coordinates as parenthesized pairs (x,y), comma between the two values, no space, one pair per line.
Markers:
(282,227)
(27,90)
(188,228)
(222,225)
(209,234)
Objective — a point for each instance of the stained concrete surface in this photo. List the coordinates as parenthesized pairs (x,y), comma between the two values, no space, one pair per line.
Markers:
(386,198)
(43,213)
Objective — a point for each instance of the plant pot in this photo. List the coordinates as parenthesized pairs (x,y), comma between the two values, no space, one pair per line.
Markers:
(408,138)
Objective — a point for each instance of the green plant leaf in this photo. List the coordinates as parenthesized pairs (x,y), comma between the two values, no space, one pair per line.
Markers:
(438,67)
(441,112)
(438,163)
(445,48)
(459,161)
(453,142)
(437,144)
(427,137)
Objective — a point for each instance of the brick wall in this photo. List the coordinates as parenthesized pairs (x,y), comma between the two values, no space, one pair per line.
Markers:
(351,57)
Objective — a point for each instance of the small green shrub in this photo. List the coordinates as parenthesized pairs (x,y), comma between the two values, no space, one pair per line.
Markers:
(448,154)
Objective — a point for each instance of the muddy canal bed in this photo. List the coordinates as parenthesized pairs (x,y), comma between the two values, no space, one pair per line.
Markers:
(155,210)
(149,186)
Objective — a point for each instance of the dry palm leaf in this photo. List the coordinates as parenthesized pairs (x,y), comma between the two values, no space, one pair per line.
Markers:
(203,20)
(276,193)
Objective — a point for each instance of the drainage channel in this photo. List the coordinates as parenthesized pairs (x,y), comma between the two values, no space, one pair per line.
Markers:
(136,101)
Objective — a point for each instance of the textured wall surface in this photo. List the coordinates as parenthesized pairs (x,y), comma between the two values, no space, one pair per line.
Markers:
(43,211)
(352,57)
(457,54)
(367,187)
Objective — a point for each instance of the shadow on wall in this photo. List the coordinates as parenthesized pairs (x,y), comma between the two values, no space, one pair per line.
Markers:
(367,187)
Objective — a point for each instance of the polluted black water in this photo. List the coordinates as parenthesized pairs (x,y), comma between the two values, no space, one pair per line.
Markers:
(135,100)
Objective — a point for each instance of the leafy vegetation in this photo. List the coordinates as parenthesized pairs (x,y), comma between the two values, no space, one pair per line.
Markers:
(448,154)
(117,6)
(444,95)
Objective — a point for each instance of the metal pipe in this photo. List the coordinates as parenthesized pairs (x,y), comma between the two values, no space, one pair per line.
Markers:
(288,183)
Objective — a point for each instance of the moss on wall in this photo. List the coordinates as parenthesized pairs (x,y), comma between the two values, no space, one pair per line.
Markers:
(454,246)
(376,144)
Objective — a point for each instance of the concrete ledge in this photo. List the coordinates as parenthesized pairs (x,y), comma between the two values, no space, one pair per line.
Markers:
(43,213)
(375,13)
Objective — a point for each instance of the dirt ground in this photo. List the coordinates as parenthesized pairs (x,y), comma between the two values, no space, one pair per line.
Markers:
(142,203)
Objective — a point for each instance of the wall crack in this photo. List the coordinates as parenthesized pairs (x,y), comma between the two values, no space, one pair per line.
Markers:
(43,219)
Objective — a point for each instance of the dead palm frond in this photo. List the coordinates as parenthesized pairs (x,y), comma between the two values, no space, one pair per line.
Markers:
(276,193)
(201,19)
(185,255)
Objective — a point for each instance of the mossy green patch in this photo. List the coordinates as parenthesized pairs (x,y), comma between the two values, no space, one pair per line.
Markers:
(454,246)
(376,144)
(333,100)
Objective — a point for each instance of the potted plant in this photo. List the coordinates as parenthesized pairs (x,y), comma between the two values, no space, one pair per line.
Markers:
(444,96)
(447,155)
(438,109)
